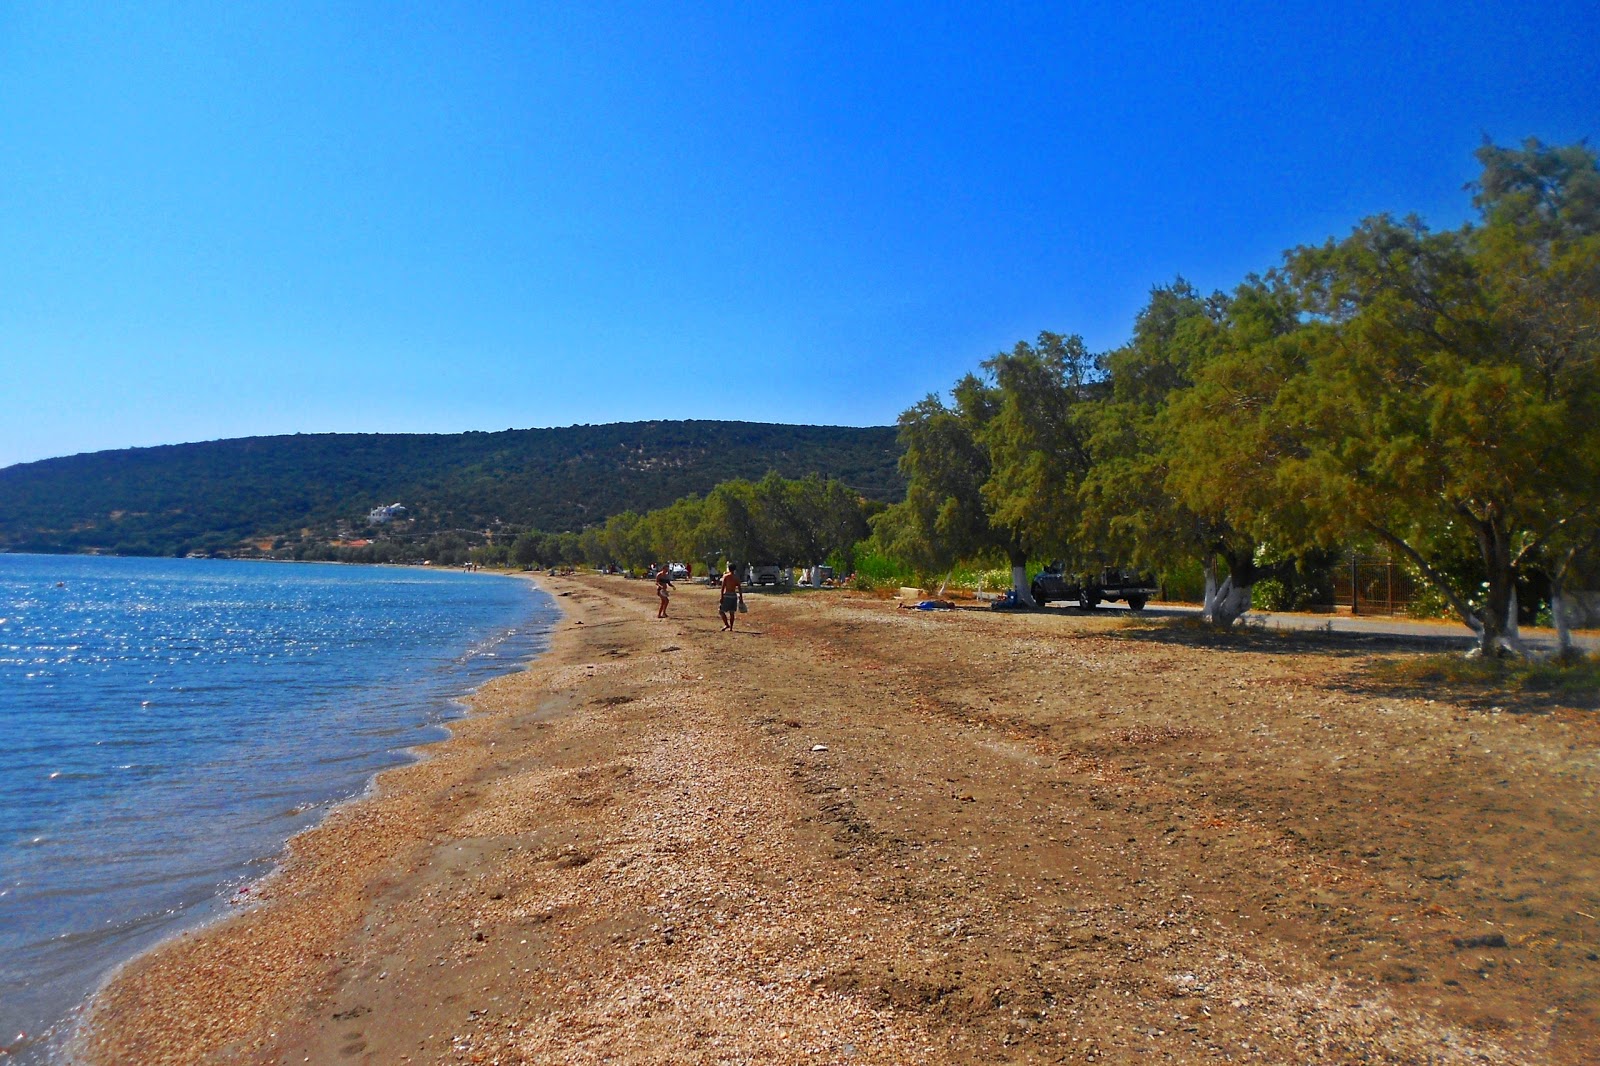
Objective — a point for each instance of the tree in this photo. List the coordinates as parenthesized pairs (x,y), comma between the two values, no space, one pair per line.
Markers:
(1540,246)
(1456,403)
(945,516)
(677,532)
(826,517)
(733,524)
(1168,470)
(623,541)
(1220,438)
(593,549)
(1038,442)
(529,548)
(1125,506)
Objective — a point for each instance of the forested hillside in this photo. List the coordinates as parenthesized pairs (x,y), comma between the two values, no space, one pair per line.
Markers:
(219,495)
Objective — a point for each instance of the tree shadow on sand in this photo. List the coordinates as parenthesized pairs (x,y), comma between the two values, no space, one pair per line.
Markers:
(1254,638)
(1513,686)
(1400,666)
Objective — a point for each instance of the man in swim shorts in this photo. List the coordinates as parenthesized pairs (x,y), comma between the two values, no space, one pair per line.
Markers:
(731,597)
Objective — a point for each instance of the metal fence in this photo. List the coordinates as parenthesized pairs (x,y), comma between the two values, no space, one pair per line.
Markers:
(1372,583)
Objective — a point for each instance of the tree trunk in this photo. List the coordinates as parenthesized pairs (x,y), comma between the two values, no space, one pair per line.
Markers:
(1209,598)
(1019,579)
(1498,614)
(1228,603)
(1558,614)
(1488,622)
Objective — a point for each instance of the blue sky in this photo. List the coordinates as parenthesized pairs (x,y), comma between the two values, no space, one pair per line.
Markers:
(222,220)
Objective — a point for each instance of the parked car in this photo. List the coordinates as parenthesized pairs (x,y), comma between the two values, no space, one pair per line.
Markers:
(1053,583)
(764,574)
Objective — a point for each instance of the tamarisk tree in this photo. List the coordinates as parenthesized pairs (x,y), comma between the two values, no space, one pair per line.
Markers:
(1455,401)
(945,517)
(997,469)
(1177,469)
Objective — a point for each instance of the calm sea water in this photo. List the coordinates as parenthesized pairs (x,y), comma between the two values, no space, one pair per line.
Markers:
(168,723)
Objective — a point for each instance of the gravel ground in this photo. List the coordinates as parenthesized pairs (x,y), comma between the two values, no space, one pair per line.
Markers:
(848,833)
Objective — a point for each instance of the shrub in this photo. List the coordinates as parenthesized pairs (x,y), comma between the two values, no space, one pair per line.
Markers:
(875,571)
(1271,595)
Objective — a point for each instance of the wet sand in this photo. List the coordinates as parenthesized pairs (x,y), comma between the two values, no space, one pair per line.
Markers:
(849,833)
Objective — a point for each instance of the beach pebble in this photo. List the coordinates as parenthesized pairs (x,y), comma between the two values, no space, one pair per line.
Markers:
(819,747)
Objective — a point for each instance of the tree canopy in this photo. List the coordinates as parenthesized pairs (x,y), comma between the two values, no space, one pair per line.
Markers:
(1437,392)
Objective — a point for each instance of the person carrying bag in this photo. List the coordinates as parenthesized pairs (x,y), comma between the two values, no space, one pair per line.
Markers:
(732,599)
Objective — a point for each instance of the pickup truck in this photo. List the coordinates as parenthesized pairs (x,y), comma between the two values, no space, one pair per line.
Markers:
(1092,589)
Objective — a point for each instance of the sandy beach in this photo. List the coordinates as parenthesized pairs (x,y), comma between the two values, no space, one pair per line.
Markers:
(850,833)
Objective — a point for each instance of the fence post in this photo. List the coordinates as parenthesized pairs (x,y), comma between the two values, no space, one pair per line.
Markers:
(1355,583)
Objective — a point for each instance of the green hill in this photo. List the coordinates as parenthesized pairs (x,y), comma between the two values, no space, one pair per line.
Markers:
(219,495)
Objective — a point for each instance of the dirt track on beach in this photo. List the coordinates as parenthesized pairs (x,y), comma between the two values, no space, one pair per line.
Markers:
(849,833)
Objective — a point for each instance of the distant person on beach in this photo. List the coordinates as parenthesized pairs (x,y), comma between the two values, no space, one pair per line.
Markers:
(663,589)
(731,598)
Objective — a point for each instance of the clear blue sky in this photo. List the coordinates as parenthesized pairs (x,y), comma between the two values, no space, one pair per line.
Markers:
(228,219)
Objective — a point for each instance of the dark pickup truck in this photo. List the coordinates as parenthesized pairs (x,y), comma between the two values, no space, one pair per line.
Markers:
(1091,589)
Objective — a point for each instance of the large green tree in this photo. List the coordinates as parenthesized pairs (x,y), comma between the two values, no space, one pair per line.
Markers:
(945,517)
(1038,442)
(1125,505)
(810,518)
(996,470)
(734,527)
(678,532)
(1540,249)
(1220,443)
(1172,461)
(1450,404)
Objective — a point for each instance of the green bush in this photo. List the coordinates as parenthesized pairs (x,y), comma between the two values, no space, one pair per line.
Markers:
(874,571)
(1271,595)
(1428,602)
(976,577)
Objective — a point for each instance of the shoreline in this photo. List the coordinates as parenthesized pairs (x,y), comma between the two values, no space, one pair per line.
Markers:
(850,833)
(70,1037)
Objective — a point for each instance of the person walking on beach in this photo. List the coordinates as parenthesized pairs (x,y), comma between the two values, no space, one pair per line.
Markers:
(732,597)
(663,589)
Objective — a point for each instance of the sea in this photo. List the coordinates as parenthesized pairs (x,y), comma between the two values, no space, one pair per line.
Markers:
(167,724)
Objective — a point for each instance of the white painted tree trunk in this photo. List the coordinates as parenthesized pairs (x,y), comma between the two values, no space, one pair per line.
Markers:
(1510,637)
(1508,641)
(1209,598)
(1228,603)
(1019,581)
(1558,614)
